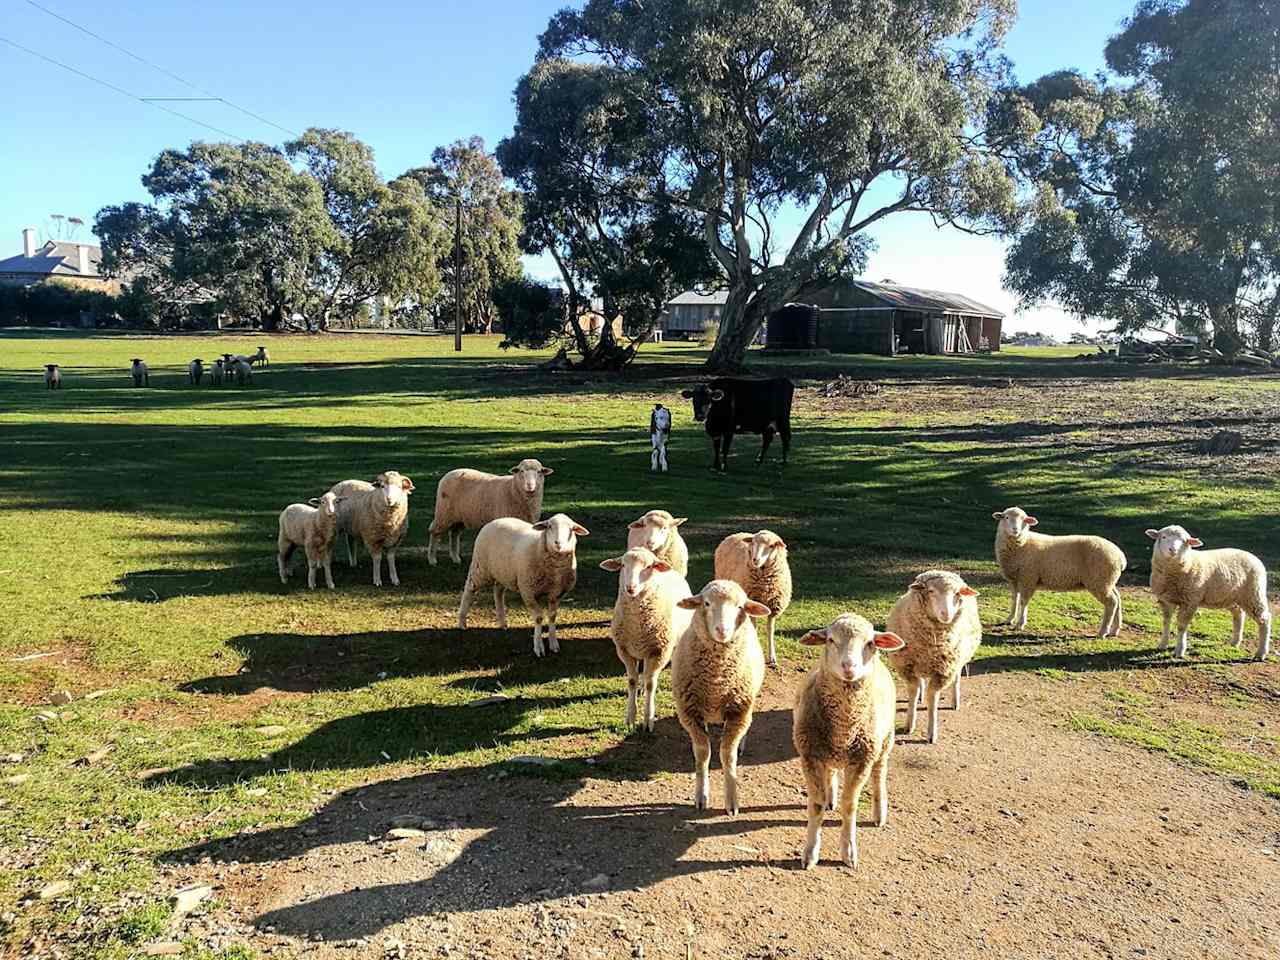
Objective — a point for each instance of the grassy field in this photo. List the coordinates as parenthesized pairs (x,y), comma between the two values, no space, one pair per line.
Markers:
(137,561)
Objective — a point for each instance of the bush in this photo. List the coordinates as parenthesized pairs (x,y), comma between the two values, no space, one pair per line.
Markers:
(710,332)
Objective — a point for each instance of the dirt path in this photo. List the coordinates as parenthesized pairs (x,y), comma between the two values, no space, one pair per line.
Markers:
(990,850)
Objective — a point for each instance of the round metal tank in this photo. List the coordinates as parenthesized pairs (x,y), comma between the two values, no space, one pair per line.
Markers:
(793,327)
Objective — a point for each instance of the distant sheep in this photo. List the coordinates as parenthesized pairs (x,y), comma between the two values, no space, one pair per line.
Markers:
(647,622)
(717,671)
(659,434)
(1035,561)
(216,372)
(138,370)
(243,372)
(1185,579)
(938,619)
(842,727)
(468,499)
(377,513)
(312,527)
(262,358)
(195,371)
(757,562)
(537,560)
(52,376)
(658,532)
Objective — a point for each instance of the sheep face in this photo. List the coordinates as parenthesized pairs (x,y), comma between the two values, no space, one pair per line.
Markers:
(636,569)
(763,546)
(530,475)
(394,487)
(723,607)
(943,595)
(657,526)
(560,534)
(328,504)
(1015,521)
(703,397)
(850,646)
(1173,542)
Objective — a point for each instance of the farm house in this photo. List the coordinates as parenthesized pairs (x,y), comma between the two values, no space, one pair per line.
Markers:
(887,318)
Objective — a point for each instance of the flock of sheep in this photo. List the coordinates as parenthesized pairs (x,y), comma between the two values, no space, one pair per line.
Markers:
(229,366)
(843,720)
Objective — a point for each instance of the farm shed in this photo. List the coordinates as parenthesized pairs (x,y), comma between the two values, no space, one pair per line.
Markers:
(887,318)
(688,314)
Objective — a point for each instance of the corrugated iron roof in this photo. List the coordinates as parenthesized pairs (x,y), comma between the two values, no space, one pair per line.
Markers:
(56,258)
(692,296)
(917,298)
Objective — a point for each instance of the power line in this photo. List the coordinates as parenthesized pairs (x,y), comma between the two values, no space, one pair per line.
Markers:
(119,90)
(167,73)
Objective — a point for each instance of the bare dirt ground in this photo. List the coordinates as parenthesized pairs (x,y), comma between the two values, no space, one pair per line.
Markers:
(1106,852)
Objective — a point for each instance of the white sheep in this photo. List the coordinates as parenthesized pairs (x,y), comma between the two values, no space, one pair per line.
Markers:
(717,671)
(537,560)
(138,370)
(938,619)
(757,562)
(195,371)
(647,622)
(1186,579)
(377,513)
(659,434)
(471,498)
(1036,561)
(52,376)
(262,358)
(657,531)
(243,371)
(842,727)
(312,527)
(216,372)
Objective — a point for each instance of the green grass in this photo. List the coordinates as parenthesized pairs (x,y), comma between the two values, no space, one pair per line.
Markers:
(137,546)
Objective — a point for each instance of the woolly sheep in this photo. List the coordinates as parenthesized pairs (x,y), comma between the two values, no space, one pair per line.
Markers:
(538,560)
(646,622)
(243,372)
(842,727)
(1036,561)
(313,528)
(216,372)
(377,513)
(52,376)
(757,562)
(938,619)
(657,532)
(138,370)
(262,358)
(195,371)
(659,434)
(717,671)
(471,498)
(1186,579)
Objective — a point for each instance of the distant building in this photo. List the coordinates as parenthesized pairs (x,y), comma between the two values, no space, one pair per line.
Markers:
(688,314)
(76,263)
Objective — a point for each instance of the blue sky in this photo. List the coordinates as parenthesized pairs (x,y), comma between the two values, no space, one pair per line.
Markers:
(404,77)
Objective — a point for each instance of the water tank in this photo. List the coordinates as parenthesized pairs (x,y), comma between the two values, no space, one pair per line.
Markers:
(793,327)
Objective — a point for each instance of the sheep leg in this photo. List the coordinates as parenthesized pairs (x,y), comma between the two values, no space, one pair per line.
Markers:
(391,567)
(933,695)
(1166,610)
(1264,635)
(701,765)
(431,548)
(1025,596)
(455,544)
(917,695)
(281,561)
(773,651)
(351,548)
(735,728)
(955,693)
(538,615)
(1014,600)
(465,603)
(653,457)
(376,555)
(816,786)
(328,570)
(662,455)
(1237,626)
(1185,613)
(880,788)
(854,781)
(833,788)
(633,685)
(652,672)
(766,438)
(311,573)
(500,605)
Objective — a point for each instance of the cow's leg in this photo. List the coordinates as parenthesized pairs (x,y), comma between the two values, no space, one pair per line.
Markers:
(766,438)
(725,442)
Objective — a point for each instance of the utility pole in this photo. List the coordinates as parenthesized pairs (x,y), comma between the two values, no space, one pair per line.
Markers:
(457,275)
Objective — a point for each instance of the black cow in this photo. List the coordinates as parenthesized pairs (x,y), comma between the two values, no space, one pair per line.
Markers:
(730,405)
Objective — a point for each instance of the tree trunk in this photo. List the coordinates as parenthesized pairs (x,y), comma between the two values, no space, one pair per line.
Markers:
(739,323)
(1226,330)
(1267,323)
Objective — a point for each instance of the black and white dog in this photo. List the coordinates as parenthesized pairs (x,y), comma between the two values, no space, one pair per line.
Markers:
(659,433)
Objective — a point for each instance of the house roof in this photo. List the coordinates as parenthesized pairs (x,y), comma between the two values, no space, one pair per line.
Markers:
(916,298)
(55,258)
(693,297)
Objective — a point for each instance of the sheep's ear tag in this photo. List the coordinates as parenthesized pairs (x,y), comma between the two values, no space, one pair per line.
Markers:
(1153,534)
(888,641)
(1195,542)
(815,638)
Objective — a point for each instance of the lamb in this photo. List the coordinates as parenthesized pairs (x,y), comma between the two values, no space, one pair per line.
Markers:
(139,372)
(378,513)
(646,623)
(216,372)
(842,727)
(1031,561)
(538,560)
(262,358)
(938,619)
(656,532)
(195,371)
(717,671)
(1223,579)
(313,528)
(758,563)
(52,376)
(243,372)
(471,498)
(659,434)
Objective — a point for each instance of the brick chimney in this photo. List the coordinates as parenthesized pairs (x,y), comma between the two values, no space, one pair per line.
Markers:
(29,242)
(82,250)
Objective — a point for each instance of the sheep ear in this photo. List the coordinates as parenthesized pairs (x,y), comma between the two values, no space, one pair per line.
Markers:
(679,520)
(635,524)
(407,484)
(1195,542)
(660,565)
(756,609)
(546,471)
(1032,521)
(888,641)
(968,592)
(613,564)
(687,394)
(514,470)
(580,530)
(1153,534)
(815,638)
(541,525)
(998,515)
(918,586)
(690,603)
(314,501)
(717,395)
